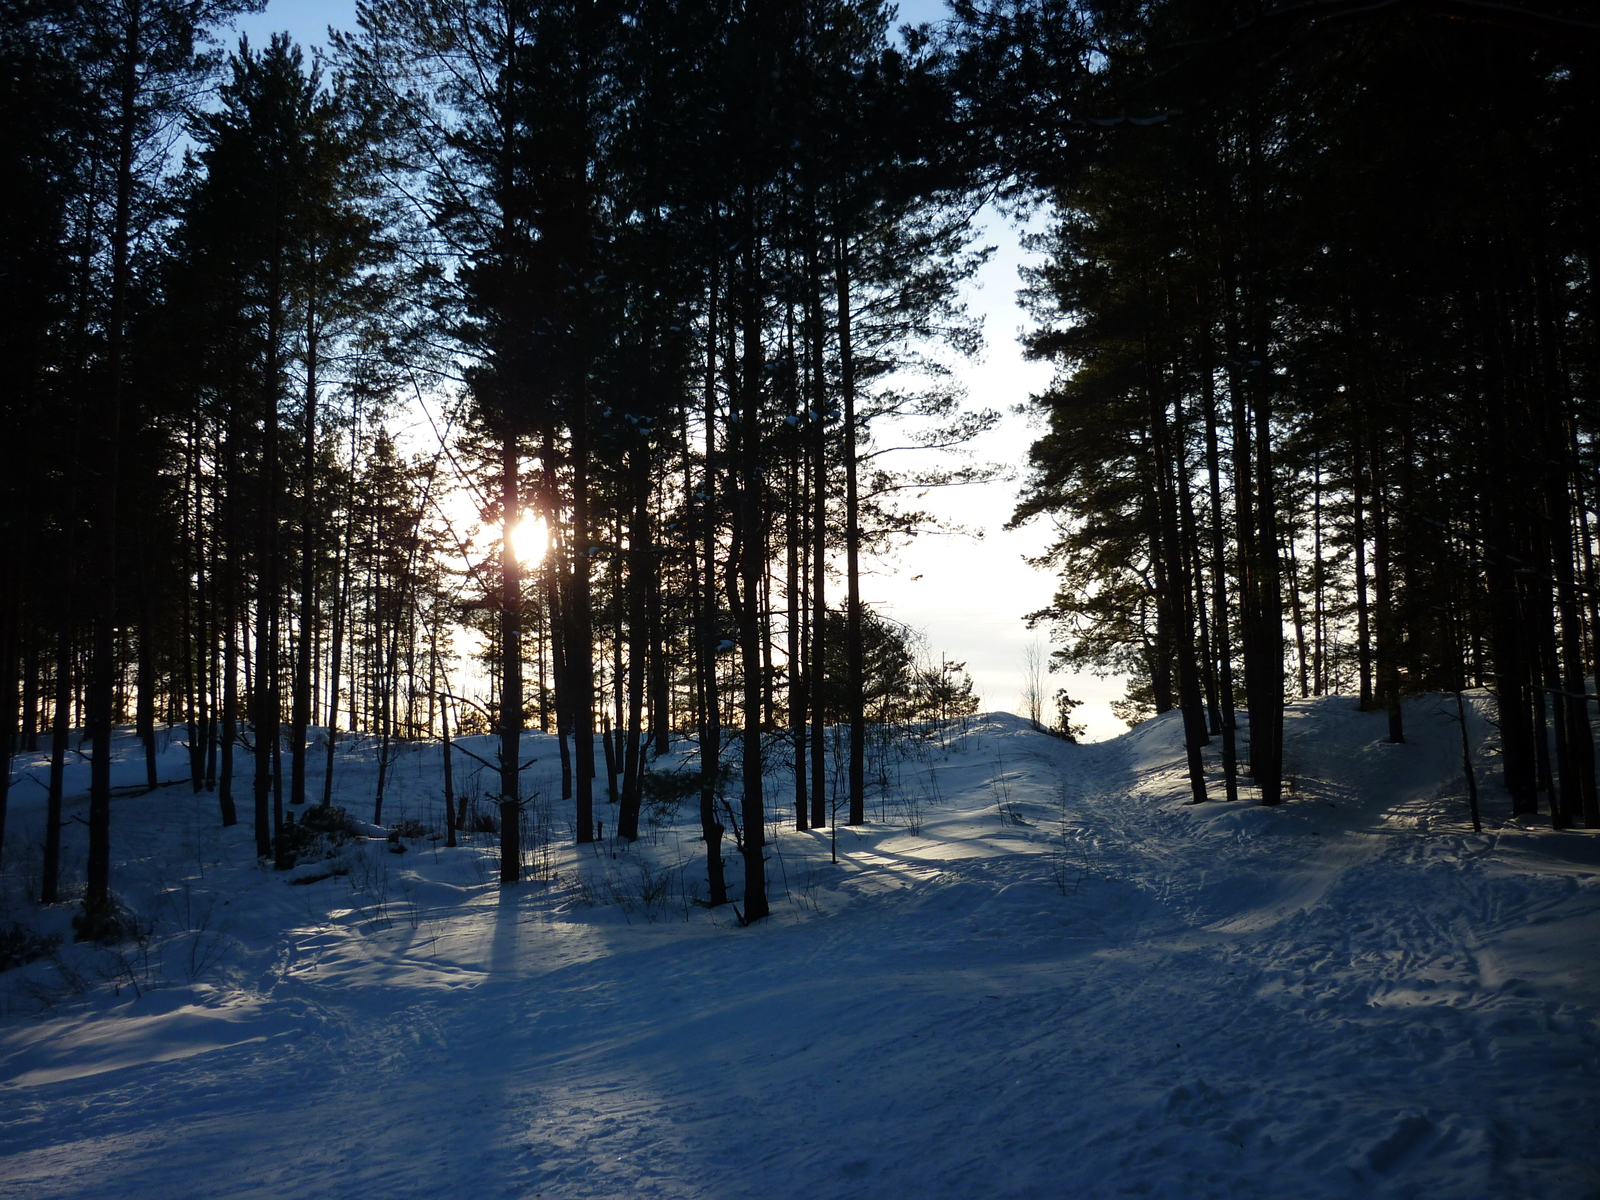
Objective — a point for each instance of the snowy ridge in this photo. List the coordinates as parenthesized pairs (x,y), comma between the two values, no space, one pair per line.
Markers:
(1035,972)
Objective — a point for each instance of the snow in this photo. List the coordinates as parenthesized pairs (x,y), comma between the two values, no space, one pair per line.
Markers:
(1036,972)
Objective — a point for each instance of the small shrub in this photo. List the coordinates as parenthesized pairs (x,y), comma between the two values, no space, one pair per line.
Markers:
(410,828)
(295,842)
(20,945)
(325,818)
(669,786)
(104,927)
(663,794)
(321,832)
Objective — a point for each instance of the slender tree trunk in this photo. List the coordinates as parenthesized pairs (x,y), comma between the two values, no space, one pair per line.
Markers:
(855,649)
(608,754)
(197,649)
(795,653)
(619,678)
(752,569)
(300,716)
(1518,754)
(265,706)
(641,551)
(1388,652)
(145,714)
(580,646)
(383,701)
(98,921)
(1177,594)
(563,686)
(510,665)
(1298,616)
(341,602)
(819,551)
(1244,542)
(60,732)
(446,749)
(10,687)
(1219,586)
(660,689)
(1580,798)
(230,644)
(706,627)
(1319,630)
(30,693)
(1194,573)
(1562,783)
(1358,536)
(1266,705)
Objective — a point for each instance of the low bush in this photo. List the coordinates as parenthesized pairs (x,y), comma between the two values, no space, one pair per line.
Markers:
(20,945)
(410,828)
(325,818)
(321,832)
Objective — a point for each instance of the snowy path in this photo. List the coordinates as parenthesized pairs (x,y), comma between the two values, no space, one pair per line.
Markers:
(1064,985)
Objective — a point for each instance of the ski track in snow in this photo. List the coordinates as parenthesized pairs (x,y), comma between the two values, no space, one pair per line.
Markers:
(1067,983)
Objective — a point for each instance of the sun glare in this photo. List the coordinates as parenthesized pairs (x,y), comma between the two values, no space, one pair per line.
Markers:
(530,539)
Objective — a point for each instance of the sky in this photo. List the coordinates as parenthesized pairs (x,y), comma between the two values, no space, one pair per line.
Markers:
(968,595)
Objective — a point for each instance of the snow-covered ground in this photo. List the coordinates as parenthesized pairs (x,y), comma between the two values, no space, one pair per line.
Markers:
(1036,973)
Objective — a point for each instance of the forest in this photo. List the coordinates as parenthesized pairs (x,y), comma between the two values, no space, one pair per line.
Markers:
(462,740)
(664,283)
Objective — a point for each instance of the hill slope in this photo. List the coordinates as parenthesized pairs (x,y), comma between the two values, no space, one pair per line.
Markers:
(1040,974)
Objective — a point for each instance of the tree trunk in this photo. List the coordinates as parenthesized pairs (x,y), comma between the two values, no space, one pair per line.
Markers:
(230,648)
(819,551)
(795,499)
(855,651)
(446,755)
(1388,650)
(145,714)
(265,707)
(300,715)
(60,730)
(1177,593)
(708,640)
(98,921)
(197,648)
(1266,705)
(341,604)
(580,645)
(608,755)
(510,665)
(1219,585)
(641,552)
(751,573)
(1358,535)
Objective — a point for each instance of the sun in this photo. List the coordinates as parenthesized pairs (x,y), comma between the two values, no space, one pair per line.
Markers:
(530,539)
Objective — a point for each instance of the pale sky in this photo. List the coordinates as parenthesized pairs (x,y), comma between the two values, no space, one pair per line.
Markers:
(968,596)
